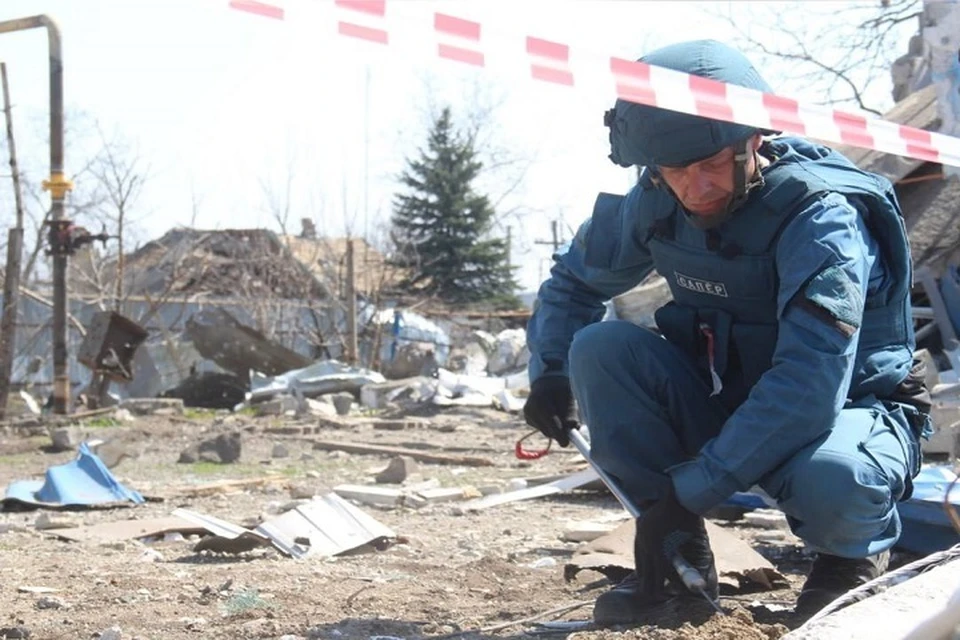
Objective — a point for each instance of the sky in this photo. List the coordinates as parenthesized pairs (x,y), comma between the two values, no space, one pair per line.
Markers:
(234,117)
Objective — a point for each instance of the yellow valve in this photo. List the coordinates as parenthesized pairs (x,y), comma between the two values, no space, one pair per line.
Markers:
(57,185)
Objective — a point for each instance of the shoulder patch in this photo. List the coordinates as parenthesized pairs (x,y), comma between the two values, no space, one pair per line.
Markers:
(832,296)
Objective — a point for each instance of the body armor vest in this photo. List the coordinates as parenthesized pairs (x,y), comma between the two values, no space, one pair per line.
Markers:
(725,284)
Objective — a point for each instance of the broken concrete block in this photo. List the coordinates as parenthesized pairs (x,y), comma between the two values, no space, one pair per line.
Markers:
(377,395)
(123,415)
(441,494)
(397,470)
(370,495)
(64,439)
(15,633)
(489,489)
(225,448)
(586,531)
(411,359)
(317,407)
(279,406)
(302,492)
(153,406)
(46,521)
(415,501)
(342,402)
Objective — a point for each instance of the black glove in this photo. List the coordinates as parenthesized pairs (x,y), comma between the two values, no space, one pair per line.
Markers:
(550,408)
(665,529)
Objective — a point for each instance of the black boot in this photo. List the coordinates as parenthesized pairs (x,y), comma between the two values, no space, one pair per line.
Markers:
(625,604)
(833,576)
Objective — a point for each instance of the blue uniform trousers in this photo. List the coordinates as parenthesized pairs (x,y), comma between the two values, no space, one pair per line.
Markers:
(648,408)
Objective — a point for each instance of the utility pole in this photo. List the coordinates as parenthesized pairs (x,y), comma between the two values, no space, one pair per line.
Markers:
(351,306)
(58,186)
(509,245)
(555,242)
(11,284)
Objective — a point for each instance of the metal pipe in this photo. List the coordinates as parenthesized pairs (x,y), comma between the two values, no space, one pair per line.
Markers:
(11,283)
(58,186)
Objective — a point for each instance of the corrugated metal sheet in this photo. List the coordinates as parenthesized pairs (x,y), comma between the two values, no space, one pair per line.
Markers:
(326,526)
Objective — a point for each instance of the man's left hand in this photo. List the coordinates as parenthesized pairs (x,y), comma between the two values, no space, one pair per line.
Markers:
(661,530)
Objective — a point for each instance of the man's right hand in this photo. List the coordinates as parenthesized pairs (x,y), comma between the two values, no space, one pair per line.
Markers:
(550,408)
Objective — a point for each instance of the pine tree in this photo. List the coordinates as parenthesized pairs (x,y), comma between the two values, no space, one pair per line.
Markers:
(442,226)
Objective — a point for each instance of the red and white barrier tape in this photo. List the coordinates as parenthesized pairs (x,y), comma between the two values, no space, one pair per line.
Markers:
(460,40)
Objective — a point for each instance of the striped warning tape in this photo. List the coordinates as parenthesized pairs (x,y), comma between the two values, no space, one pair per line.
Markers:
(460,40)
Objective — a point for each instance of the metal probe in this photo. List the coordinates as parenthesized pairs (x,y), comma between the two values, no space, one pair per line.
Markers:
(691,578)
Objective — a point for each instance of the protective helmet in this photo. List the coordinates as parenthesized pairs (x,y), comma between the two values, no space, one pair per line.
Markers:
(652,136)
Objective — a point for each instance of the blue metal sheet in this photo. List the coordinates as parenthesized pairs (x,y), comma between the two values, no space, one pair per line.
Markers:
(84,481)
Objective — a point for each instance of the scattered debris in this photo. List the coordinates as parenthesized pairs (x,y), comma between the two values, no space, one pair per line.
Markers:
(379,395)
(31,403)
(46,521)
(365,494)
(412,359)
(225,486)
(767,518)
(225,449)
(342,402)
(281,405)
(111,453)
(905,611)
(129,530)
(111,633)
(153,406)
(397,470)
(444,494)
(84,481)
(317,379)
(50,602)
(926,525)
(586,531)
(210,390)
(422,456)
(325,526)
(110,344)
(64,439)
(567,483)
(510,353)
(35,590)
(220,337)
(738,566)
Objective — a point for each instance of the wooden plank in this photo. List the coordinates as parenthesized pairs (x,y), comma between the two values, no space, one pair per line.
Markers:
(128,529)
(226,485)
(422,456)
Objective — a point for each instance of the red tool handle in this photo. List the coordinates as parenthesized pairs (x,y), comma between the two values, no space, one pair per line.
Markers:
(526,454)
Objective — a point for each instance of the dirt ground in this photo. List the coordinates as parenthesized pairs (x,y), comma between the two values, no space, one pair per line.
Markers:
(474,575)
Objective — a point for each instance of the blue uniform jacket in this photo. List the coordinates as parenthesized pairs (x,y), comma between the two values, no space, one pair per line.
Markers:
(824,253)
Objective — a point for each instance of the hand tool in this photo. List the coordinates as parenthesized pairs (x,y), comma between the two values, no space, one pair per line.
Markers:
(691,577)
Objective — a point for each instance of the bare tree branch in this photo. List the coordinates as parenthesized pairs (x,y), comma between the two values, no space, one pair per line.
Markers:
(836,64)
